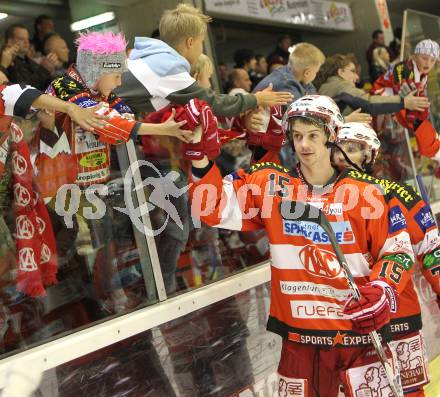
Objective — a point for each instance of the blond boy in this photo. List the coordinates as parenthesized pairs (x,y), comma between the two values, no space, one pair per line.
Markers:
(159,70)
(296,77)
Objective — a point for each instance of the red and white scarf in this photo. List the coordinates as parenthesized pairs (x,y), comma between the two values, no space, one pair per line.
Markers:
(36,252)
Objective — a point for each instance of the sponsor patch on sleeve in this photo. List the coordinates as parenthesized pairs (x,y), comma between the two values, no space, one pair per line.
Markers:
(424,219)
(396,220)
(432,259)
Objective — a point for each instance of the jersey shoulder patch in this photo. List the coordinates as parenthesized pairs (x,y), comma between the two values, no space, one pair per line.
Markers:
(266,165)
(361,176)
(366,178)
(406,194)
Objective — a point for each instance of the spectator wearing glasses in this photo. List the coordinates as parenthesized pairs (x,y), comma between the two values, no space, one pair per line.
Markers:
(337,78)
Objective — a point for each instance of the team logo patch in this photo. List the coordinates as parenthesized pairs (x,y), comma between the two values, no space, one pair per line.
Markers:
(397,220)
(289,387)
(369,381)
(41,225)
(21,195)
(320,262)
(424,219)
(17,134)
(45,253)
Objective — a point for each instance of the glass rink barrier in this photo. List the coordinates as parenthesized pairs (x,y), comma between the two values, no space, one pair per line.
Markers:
(128,294)
(222,350)
(80,261)
(416,27)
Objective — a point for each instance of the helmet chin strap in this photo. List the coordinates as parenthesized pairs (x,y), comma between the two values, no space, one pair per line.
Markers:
(347,159)
(368,167)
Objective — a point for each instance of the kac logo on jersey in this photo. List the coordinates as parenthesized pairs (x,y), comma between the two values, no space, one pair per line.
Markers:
(397,220)
(424,219)
(320,262)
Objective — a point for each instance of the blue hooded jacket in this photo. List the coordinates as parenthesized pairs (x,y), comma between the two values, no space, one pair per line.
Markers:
(158,75)
(282,79)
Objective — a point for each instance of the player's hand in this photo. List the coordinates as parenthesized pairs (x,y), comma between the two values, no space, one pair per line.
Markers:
(254,120)
(373,310)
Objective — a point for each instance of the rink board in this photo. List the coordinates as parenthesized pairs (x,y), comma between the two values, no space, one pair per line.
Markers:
(220,350)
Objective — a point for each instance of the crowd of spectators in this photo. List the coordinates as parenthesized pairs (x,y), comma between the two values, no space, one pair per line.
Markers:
(38,61)
(250,68)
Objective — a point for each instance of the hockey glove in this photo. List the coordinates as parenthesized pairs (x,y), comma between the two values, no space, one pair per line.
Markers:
(427,140)
(372,312)
(271,136)
(206,139)
(199,119)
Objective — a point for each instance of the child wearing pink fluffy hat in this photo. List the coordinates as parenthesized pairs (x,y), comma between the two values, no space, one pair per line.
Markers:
(100,62)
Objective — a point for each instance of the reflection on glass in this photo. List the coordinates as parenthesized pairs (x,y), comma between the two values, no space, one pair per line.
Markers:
(393,161)
(99,272)
(222,350)
(193,255)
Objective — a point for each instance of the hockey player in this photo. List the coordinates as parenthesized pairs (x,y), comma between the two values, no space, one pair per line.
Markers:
(358,148)
(410,75)
(323,328)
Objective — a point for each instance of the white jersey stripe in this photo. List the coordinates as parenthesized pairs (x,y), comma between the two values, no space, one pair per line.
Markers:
(231,216)
(400,243)
(286,257)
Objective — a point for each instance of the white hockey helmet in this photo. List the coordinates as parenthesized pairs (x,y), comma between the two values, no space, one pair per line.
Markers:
(360,132)
(315,107)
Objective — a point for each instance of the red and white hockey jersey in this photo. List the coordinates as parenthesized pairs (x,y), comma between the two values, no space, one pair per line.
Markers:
(403,199)
(308,285)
